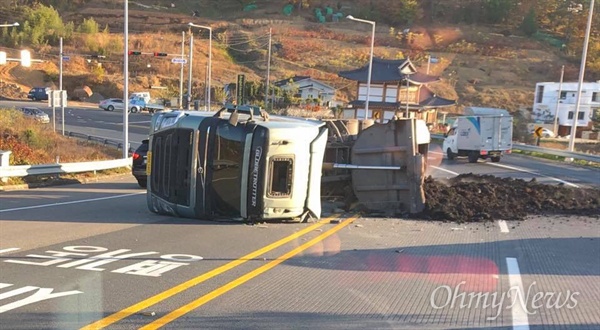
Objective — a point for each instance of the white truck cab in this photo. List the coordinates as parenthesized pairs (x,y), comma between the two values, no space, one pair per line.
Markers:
(486,136)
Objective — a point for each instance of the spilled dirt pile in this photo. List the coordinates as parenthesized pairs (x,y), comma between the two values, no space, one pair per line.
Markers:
(470,198)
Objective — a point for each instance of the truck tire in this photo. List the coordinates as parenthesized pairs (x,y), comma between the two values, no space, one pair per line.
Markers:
(133,109)
(495,159)
(450,155)
(473,157)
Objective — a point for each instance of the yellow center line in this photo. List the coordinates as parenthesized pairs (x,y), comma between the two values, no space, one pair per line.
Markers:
(243,279)
(115,317)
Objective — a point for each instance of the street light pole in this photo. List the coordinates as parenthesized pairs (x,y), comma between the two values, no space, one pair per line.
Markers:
(126,82)
(10,25)
(268,73)
(581,75)
(181,72)
(370,60)
(209,57)
(189,93)
(60,87)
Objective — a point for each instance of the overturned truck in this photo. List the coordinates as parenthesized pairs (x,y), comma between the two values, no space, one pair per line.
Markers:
(379,166)
(239,164)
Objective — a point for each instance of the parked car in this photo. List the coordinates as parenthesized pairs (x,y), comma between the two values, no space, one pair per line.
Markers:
(36,114)
(38,93)
(138,168)
(111,104)
(546,132)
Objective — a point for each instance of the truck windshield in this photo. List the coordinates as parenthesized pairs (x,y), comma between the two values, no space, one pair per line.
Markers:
(226,168)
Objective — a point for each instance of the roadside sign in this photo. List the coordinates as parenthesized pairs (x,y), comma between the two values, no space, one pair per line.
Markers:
(57,98)
(66,58)
(241,82)
(178,60)
(539,131)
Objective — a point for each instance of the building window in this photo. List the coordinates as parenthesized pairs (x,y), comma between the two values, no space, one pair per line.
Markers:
(580,115)
(540,94)
(563,95)
(595,97)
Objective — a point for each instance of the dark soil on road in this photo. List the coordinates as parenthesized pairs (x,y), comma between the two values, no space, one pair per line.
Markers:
(471,198)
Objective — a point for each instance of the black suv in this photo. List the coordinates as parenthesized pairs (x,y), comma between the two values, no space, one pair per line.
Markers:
(138,168)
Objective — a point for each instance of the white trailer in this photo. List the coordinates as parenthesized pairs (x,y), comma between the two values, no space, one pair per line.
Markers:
(477,137)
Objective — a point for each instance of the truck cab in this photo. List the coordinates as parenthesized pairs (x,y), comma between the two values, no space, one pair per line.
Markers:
(475,137)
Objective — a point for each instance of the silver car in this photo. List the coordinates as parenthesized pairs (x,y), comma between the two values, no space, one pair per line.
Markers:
(37,114)
(111,104)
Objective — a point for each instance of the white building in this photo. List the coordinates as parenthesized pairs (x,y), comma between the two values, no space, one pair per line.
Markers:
(548,102)
(307,88)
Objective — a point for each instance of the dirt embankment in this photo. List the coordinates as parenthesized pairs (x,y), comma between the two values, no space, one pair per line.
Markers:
(471,198)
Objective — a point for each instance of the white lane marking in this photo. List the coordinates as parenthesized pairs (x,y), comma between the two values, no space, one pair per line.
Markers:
(534,173)
(503,226)
(8,250)
(520,320)
(70,202)
(443,169)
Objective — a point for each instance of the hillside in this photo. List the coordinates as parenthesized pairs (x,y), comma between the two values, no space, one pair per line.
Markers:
(480,65)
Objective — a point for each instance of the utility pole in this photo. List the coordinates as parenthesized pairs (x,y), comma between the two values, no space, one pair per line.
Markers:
(581,74)
(206,89)
(428,62)
(189,93)
(181,72)
(555,127)
(268,73)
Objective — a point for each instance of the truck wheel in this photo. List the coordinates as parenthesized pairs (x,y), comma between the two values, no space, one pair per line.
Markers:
(449,154)
(133,109)
(495,159)
(143,183)
(473,157)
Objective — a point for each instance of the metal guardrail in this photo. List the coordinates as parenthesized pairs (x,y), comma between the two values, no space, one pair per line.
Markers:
(548,151)
(51,169)
(47,169)
(96,139)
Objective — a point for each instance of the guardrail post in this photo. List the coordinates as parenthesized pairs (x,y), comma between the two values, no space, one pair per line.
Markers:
(4,161)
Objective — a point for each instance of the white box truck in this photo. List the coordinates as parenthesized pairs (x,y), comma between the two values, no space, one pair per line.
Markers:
(488,136)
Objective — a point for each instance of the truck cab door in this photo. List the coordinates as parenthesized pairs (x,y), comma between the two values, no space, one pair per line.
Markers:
(450,141)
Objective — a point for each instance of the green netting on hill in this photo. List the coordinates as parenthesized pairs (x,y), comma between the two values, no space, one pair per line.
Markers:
(319,15)
(288,9)
(250,7)
(552,40)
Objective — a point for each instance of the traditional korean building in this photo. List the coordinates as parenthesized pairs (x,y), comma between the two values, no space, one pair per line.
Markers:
(396,88)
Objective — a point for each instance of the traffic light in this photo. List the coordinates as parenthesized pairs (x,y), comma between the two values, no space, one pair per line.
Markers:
(160,54)
(134,52)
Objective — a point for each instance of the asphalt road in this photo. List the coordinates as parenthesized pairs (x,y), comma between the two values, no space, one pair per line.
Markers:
(93,255)
(88,119)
